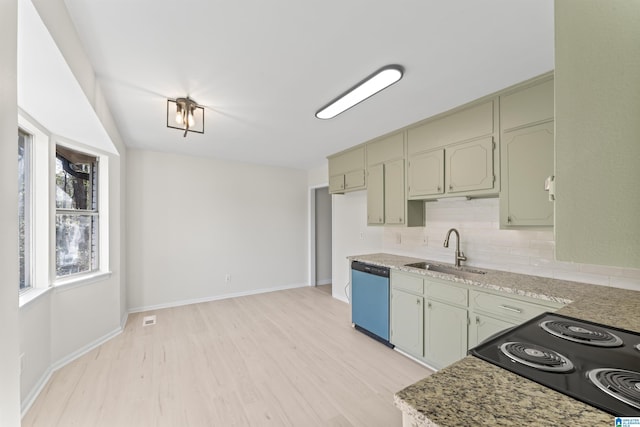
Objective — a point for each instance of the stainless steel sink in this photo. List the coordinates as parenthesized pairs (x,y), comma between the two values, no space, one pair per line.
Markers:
(456,271)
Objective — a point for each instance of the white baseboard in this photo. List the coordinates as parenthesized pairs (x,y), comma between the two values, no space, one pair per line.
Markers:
(44,379)
(214,298)
(415,359)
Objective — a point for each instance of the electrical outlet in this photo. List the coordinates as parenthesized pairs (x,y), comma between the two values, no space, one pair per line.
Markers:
(227,278)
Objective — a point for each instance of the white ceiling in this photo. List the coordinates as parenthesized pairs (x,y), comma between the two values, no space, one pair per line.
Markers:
(263,68)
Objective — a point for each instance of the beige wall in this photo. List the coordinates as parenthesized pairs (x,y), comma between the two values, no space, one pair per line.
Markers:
(192,221)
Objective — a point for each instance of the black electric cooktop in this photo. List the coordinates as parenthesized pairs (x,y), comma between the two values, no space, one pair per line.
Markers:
(593,363)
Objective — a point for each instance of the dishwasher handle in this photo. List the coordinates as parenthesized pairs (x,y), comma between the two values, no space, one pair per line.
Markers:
(376,270)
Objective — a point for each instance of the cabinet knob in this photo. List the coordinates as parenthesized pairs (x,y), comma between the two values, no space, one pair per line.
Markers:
(400,219)
(379,219)
(429,304)
(508,220)
(439,189)
(450,187)
(418,301)
(477,320)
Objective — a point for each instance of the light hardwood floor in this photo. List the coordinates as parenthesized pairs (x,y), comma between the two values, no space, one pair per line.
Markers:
(288,358)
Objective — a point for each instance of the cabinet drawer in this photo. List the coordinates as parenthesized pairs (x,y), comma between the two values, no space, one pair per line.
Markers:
(505,307)
(407,282)
(447,292)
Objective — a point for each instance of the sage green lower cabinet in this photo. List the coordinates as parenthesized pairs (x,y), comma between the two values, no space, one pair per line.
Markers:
(445,333)
(407,320)
(482,327)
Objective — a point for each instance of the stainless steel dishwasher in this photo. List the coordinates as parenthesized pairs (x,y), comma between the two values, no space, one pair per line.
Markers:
(370,300)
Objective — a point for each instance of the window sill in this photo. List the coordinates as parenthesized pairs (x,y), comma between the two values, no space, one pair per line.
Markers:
(31,295)
(62,285)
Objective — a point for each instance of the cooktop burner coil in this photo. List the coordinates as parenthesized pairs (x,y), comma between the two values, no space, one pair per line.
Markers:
(536,357)
(582,333)
(619,383)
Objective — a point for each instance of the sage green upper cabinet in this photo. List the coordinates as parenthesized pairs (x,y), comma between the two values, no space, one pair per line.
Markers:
(469,166)
(527,160)
(394,199)
(597,151)
(375,194)
(454,154)
(386,202)
(527,144)
(347,171)
(426,173)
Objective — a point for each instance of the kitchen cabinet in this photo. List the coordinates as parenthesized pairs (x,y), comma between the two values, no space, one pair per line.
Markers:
(426,174)
(347,171)
(469,166)
(445,333)
(386,201)
(446,319)
(454,155)
(407,320)
(493,312)
(527,144)
(527,160)
(375,194)
(482,327)
(407,313)
(429,318)
(597,133)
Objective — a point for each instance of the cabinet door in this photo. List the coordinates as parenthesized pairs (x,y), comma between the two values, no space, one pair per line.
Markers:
(407,322)
(527,159)
(469,166)
(394,200)
(426,173)
(375,195)
(354,179)
(482,327)
(445,333)
(336,183)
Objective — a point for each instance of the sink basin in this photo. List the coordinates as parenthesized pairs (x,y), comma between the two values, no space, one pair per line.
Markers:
(445,268)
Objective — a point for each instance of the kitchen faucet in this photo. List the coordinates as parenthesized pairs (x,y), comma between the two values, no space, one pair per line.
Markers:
(459,254)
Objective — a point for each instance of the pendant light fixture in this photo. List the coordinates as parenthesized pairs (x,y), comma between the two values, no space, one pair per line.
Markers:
(381,79)
(185,114)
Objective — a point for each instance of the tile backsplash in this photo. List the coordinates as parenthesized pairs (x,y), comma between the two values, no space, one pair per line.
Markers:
(485,245)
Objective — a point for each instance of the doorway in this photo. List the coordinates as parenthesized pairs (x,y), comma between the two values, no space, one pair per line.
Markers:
(320,271)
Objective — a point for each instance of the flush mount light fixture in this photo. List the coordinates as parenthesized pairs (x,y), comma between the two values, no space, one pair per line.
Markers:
(185,114)
(381,79)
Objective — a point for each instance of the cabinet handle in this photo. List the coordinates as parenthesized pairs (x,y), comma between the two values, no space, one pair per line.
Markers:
(508,308)
(429,304)
(418,301)
(477,320)
(379,219)
(439,189)
(450,187)
(508,220)
(399,219)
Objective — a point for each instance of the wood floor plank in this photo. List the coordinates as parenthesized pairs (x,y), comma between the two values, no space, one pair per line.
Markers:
(287,358)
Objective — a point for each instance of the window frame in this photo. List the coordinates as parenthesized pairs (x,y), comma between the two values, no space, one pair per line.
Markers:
(101,194)
(27,214)
(43,212)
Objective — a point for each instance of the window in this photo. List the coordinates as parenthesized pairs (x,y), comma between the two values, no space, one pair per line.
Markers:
(77,212)
(24,208)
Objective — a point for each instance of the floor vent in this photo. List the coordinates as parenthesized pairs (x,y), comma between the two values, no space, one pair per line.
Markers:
(149,320)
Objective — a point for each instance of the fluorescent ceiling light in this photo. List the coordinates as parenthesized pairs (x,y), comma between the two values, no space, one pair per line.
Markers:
(381,79)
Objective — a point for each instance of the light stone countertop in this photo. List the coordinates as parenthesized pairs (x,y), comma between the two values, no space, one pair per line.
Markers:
(474,392)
